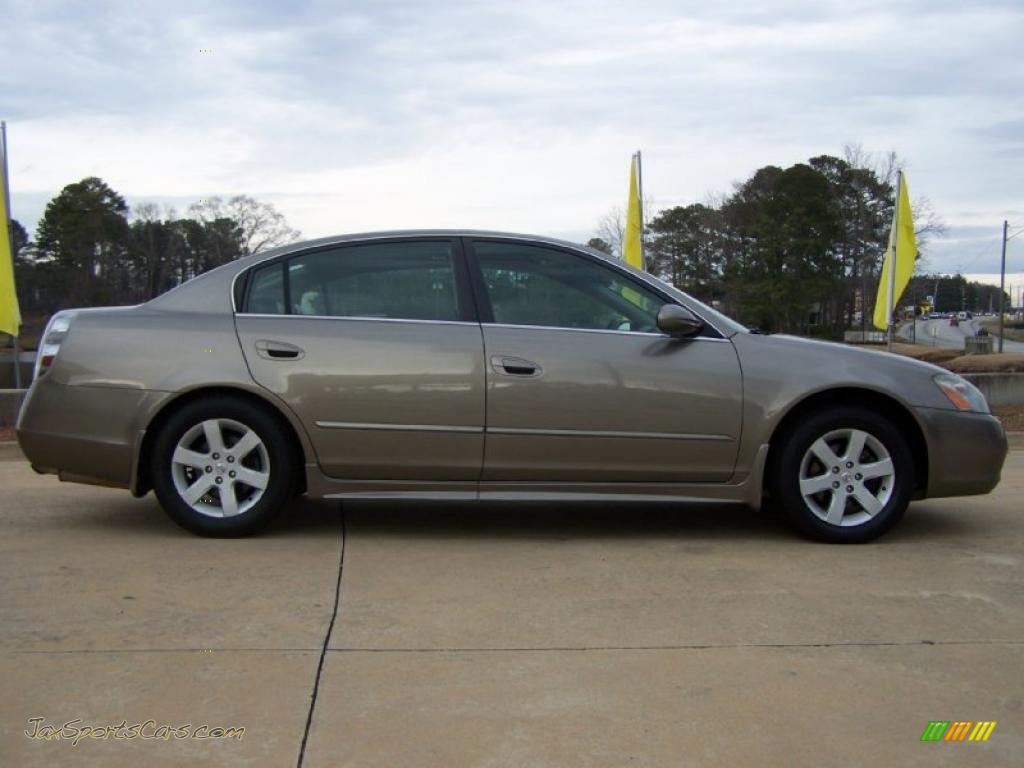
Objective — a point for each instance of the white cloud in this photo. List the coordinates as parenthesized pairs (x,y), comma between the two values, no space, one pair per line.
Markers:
(508,115)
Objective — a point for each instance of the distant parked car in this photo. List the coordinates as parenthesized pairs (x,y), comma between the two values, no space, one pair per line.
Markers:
(468,365)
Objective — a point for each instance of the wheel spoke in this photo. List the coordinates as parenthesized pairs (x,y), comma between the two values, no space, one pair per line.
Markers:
(228,500)
(245,445)
(214,438)
(190,458)
(252,477)
(881,468)
(197,490)
(856,445)
(836,508)
(867,500)
(824,453)
(812,485)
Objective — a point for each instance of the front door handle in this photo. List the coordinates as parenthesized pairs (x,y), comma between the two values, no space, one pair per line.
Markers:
(278,350)
(515,366)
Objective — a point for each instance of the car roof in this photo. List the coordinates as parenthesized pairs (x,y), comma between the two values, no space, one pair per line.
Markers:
(408,233)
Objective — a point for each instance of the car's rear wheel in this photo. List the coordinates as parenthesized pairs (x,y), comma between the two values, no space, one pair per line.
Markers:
(221,467)
(843,475)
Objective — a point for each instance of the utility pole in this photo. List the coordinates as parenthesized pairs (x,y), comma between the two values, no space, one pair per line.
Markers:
(1002,284)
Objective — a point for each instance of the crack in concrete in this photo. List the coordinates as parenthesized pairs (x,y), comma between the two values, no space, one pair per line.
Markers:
(691,647)
(323,649)
(540,649)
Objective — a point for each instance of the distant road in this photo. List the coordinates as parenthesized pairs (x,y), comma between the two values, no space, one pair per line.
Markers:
(940,333)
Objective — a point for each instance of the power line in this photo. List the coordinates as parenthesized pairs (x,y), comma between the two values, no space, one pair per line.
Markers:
(990,243)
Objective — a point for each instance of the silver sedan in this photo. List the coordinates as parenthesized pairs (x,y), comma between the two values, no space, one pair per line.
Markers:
(471,365)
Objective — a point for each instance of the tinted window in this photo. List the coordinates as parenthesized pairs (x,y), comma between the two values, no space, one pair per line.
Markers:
(407,281)
(266,296)
(531,285)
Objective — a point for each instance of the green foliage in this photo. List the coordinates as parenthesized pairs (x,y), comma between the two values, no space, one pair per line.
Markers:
(84,231)
(953,294)
(19,238)
(687,247)
(791,249)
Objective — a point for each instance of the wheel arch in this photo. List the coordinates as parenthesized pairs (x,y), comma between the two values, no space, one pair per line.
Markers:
(301,449)
(874,400)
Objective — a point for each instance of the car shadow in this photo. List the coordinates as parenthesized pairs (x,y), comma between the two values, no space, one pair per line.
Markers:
(533,520)
(515,520)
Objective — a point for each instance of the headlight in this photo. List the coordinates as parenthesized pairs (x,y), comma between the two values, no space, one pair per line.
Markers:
(961,393)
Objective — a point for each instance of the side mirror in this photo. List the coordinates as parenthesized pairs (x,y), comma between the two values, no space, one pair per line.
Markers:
(678,321)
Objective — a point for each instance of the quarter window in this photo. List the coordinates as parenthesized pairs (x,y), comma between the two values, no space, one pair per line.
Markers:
(531,285)
(404,281)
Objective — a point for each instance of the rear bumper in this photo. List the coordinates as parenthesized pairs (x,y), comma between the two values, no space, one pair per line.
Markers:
(84,434)
(965,451)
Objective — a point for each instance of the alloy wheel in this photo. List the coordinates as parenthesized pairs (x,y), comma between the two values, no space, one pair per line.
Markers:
(847,477)
(220,467)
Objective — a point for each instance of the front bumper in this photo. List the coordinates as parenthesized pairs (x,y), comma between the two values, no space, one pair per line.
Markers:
(82,433)
(965,451)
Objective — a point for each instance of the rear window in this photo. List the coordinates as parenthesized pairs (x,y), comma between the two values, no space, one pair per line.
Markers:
(402,281)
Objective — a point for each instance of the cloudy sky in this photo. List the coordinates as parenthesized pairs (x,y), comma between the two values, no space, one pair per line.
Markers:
(515,115)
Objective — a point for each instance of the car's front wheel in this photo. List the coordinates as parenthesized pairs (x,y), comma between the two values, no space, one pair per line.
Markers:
(221,467)
(844,475)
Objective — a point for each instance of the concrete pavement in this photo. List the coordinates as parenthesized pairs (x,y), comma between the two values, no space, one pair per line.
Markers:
(508,635)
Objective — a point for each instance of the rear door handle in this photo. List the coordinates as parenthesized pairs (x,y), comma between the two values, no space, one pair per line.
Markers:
(278,350)
(515,366)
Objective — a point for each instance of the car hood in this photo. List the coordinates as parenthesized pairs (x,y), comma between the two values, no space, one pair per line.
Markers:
(791,366)
(866,355)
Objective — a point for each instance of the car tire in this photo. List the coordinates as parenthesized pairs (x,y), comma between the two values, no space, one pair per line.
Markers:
(843,475)
(222,467)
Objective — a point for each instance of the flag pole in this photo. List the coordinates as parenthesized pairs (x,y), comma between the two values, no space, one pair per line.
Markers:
(10,237)
(640,201)
(890,300)
(1002,285)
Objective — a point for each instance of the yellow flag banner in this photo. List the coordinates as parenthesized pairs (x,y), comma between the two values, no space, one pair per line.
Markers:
(902,250)
(631,251)
(10,315)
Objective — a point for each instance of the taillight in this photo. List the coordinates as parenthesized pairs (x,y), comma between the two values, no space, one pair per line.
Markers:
(51,341)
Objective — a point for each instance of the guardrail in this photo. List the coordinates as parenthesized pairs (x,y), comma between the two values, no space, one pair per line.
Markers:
(10,404)
(26,362)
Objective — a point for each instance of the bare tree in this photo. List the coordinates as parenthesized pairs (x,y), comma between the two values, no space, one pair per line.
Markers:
(927,222)
(612,226)
(612,229)
(262,226)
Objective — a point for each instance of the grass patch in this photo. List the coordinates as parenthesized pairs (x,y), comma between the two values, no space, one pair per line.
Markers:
(1013,334)
(1008,362)
(955,360)
(937,355)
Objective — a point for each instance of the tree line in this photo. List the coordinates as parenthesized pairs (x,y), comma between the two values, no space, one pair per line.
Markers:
(91,250)
(795,249)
